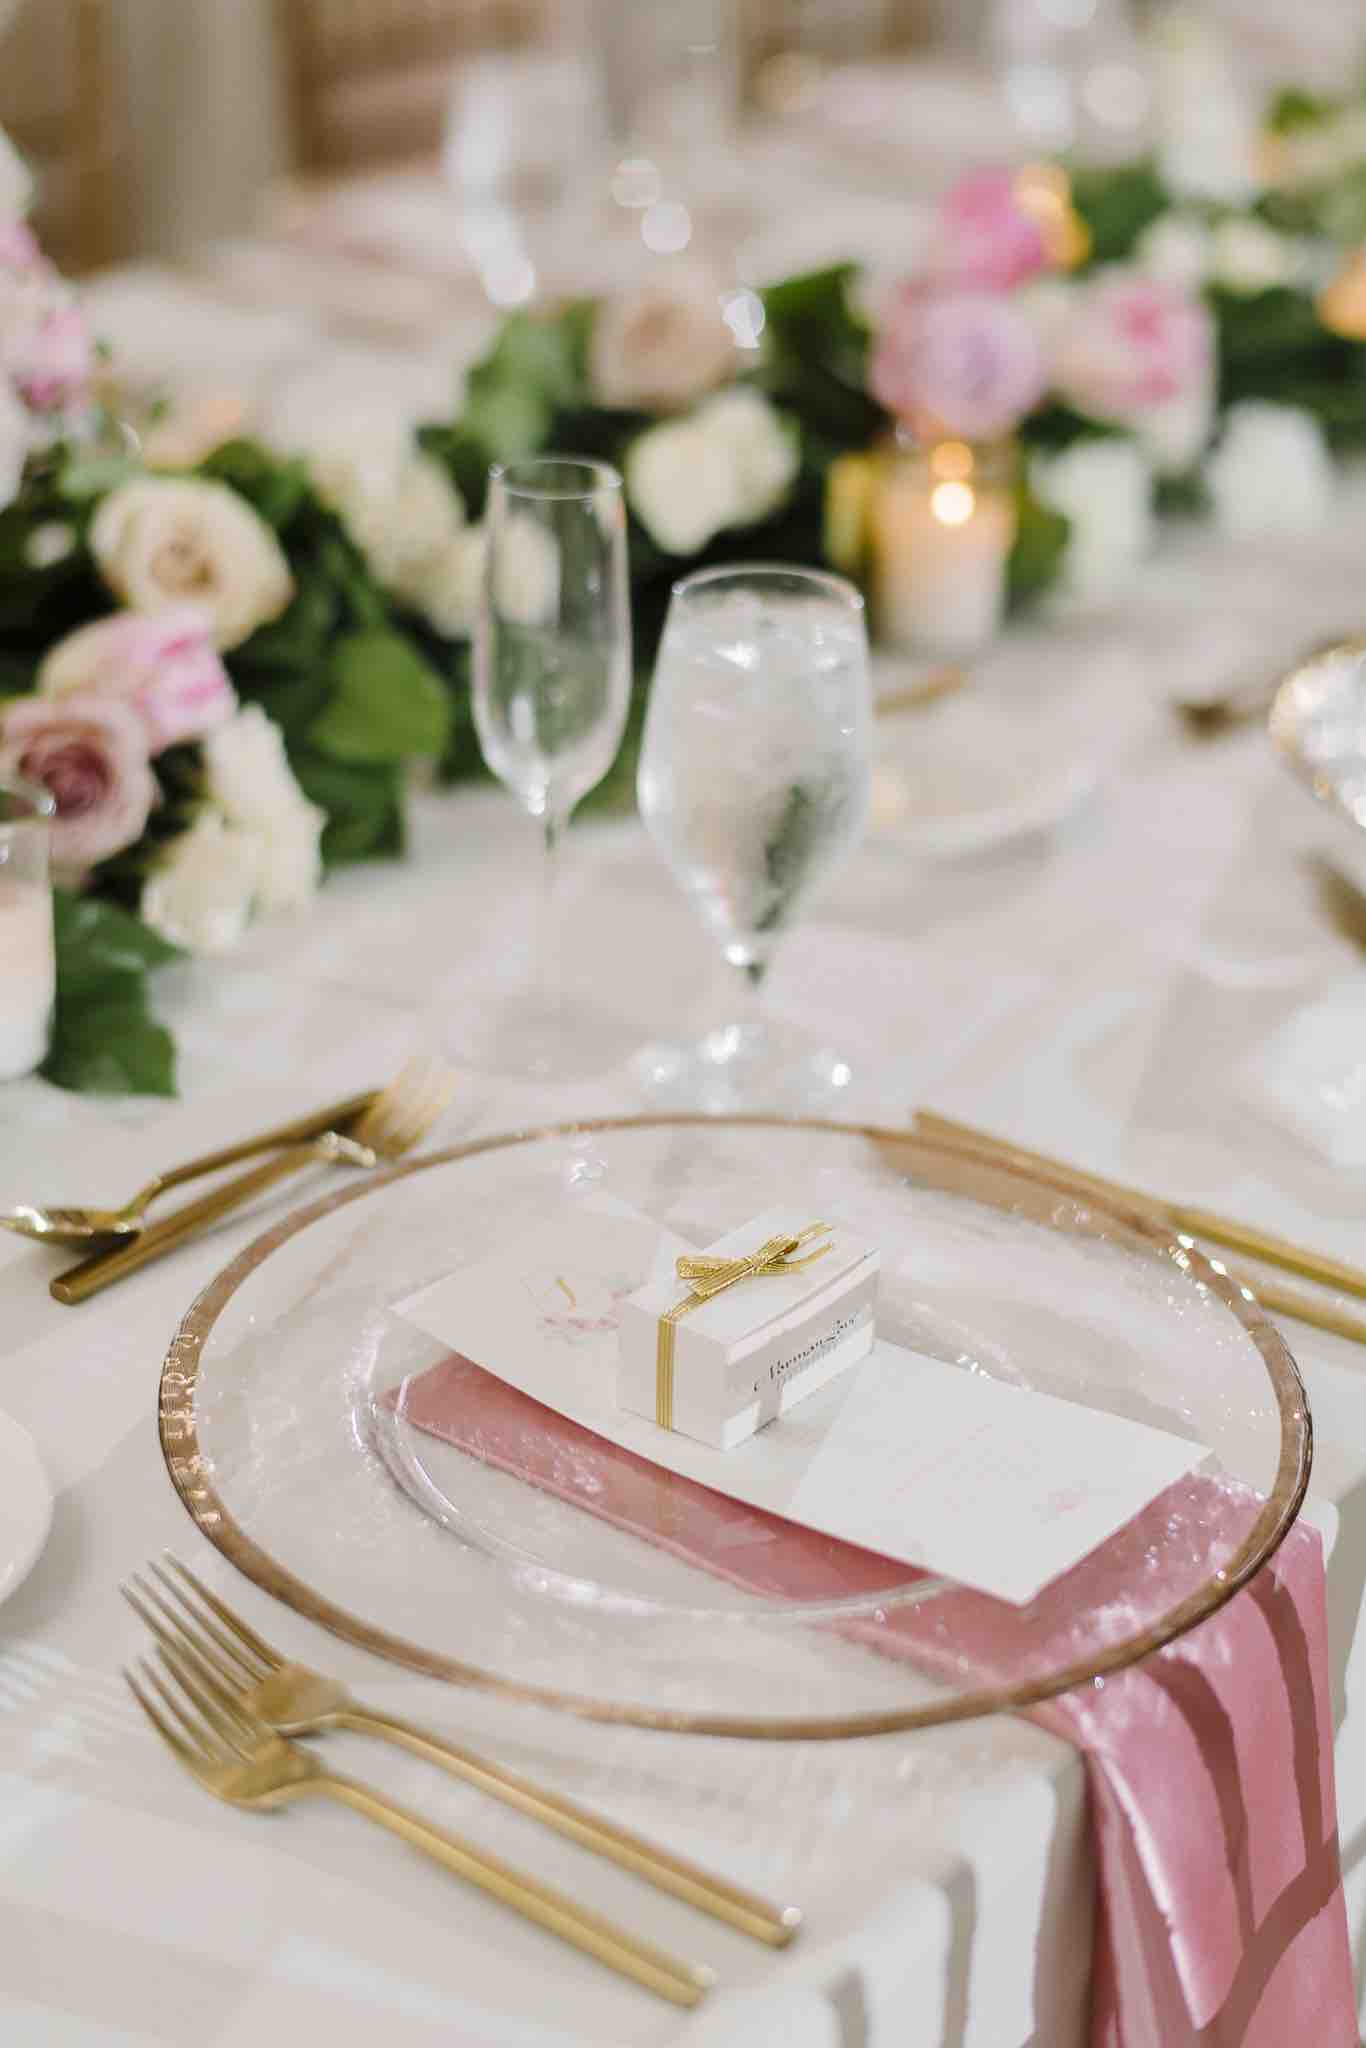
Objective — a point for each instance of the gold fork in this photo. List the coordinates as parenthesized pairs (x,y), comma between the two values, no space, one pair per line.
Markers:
(237,1757)
(398,1118)
(93,1230)
(230,1658)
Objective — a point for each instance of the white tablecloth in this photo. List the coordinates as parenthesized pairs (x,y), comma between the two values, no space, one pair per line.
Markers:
(1125,991)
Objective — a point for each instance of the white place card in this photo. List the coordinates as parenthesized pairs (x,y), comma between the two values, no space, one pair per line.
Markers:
(994,1486)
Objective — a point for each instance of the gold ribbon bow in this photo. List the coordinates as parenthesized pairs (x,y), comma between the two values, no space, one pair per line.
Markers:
(707,1276)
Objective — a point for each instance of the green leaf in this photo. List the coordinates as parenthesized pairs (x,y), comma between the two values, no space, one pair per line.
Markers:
(17,673)
(276,486)
(111,1046)
(1041,536)
(465,458)
(96,939)
(1293,110)
(104,1039)
(510,420)
(544,353)
(364,806)
(388,705)
(1117,205)
(821,296)
(298,638)
(91,476)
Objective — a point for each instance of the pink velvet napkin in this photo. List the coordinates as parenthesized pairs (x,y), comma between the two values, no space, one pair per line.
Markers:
(1221,1920)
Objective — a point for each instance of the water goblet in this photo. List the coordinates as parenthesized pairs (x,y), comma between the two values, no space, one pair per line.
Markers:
(754,781)
(552,687)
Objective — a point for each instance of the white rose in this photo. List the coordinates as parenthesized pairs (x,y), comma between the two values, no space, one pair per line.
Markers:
(526,571)
(731,463)
(448,591)
(763,449)
(1175,435)
(1247,257)
(353,464)
(660,346)
(681,484)
(1175,248)
(1271,473)
(162,541)
(401,510)
(291,863)
(14,443)
(401,528)
(249,778)
(16,179)
(1105,489)
(199,894)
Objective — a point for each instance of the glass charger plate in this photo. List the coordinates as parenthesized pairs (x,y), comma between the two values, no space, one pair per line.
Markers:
(284,1427)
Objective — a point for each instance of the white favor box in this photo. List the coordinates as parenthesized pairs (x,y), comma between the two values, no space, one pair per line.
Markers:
(755,1349)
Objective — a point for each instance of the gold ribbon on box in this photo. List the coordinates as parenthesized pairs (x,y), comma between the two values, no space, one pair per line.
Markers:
(706,1276)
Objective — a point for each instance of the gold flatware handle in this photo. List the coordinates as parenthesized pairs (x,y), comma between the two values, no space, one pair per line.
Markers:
(1194,1222)
(724,1901)
(334,1118)
(104,1269)
(681,1983)
(928,689)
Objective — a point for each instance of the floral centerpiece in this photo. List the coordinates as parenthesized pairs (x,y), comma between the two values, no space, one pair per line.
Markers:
(1159,338)
(221,670)
(219,674)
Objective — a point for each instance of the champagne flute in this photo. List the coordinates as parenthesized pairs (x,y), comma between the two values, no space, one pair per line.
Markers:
(754,781)
(552,687)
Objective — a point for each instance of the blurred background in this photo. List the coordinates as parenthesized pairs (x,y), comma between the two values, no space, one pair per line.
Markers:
(161,127)
(246,177)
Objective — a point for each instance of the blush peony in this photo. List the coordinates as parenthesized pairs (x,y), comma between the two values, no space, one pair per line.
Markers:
(660,347)
(90,755)
(164,665)
(985,239)
(1135,343)
(966,363)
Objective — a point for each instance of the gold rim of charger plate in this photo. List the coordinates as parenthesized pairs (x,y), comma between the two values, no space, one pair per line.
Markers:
(938,1163)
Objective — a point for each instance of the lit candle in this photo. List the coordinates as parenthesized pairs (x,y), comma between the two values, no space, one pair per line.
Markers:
(28,975)
(943,525)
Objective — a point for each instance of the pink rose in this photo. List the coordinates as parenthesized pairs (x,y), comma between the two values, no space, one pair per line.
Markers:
(957,362)
(51,359)
(163,664)
(1135,344)
(986,239)
(90,754)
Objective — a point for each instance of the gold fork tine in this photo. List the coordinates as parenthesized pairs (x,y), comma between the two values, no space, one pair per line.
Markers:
(387,1114)
(294,1701)
(148,1608)
(214,1703)
(181,1637)
(269,1657)
(205,1632)
(174,1742)
(207,1744)
(240,1759)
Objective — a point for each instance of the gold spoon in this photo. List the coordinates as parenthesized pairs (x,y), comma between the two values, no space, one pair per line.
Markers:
(93,1230)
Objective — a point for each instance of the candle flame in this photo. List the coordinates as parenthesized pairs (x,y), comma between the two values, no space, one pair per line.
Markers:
(953,504)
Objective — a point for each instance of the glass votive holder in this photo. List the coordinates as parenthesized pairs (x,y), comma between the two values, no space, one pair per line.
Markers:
(28,959)
(941,528)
